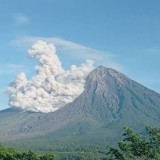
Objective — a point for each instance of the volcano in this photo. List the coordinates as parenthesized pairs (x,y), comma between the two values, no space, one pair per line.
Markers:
(110,101)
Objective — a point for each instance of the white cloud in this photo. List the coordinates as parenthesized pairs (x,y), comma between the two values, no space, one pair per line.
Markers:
(21,19)
(73,49)
(52,87)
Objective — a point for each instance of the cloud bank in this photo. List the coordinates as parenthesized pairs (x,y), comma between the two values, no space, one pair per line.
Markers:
(74,50)
(21,19)
(52,87)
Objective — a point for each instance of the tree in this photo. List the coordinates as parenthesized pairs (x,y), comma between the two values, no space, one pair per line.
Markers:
(136,147)
(47,157)
(30,155)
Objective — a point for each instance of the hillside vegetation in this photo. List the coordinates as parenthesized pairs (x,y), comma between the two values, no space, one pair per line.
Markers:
(133,147)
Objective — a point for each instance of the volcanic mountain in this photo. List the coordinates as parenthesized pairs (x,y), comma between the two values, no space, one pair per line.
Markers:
(110,101)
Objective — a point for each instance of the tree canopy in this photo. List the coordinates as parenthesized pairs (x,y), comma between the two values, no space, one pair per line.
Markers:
(133,147)
(137,147)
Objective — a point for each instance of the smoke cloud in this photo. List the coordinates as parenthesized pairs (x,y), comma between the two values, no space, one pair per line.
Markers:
(52,87)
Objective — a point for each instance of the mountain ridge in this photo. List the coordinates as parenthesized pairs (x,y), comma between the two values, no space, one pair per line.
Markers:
(110,101)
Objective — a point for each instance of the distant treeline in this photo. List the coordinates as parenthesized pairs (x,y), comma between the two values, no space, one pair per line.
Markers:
(132,147)
(14,154)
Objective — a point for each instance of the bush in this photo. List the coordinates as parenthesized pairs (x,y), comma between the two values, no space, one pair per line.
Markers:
(135,147)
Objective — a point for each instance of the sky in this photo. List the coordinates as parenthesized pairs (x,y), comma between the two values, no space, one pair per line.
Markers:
(124,35)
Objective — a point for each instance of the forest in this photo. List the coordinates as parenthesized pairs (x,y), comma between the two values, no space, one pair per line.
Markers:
(133,146)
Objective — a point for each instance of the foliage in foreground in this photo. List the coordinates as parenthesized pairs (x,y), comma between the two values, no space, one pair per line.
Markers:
(12,154)
(136,147)
(132,147)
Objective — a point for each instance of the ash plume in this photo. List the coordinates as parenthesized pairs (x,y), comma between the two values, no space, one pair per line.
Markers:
(52,87)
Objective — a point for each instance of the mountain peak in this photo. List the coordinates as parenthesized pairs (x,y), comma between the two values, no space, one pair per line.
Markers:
(105,70)
(111,94)
(102,73)
(110,101)
(101,67)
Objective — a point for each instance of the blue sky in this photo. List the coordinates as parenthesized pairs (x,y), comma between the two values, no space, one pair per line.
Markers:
(123,34)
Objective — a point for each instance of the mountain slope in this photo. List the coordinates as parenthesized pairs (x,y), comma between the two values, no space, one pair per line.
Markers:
(110,101)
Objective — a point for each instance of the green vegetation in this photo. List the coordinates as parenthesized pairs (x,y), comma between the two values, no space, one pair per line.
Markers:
(136,147)
(132,147)
(13,154)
